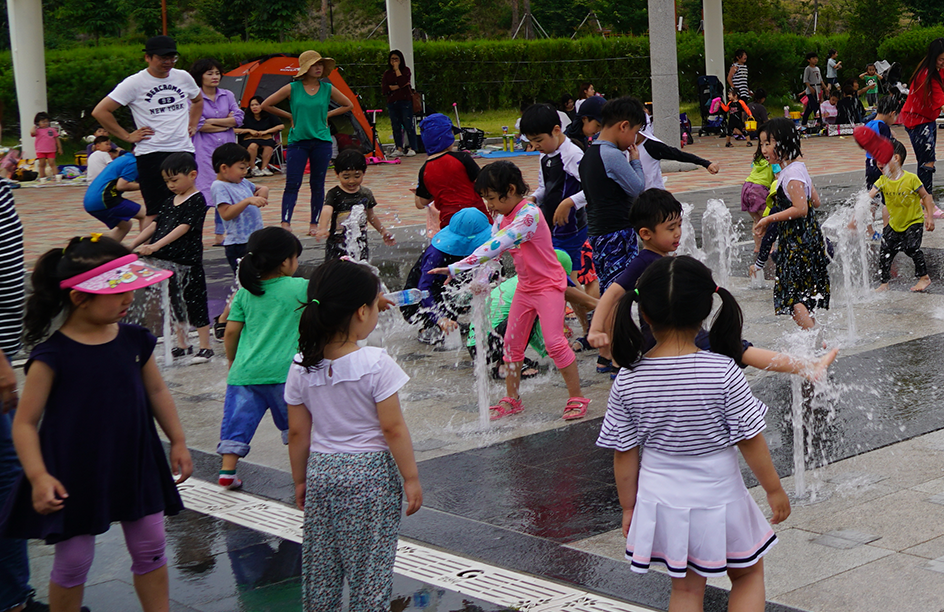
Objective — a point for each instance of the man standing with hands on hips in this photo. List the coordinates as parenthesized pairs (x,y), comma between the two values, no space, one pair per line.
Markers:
(166,105)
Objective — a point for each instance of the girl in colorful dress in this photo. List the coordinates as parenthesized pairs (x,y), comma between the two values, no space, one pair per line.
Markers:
(684,504)
(96,458)
(520,228)
(802,284)
(350,490)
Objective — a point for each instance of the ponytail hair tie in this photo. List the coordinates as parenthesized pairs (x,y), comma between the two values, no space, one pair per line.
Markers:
(717,288)
(314,301)
(636,291)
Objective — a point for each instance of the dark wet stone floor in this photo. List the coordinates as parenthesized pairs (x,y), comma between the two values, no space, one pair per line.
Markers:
(216,566)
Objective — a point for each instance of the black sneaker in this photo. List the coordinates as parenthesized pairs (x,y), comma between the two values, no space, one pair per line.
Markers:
(178,352)
(202,356)
(32,605)
(219,329)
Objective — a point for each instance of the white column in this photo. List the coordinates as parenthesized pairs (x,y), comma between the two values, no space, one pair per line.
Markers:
(400,31)
(663,61)
(29,64)
(714,40)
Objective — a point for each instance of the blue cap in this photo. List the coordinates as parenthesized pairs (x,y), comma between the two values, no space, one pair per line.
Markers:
(467,229)
(437,133)
(592,107)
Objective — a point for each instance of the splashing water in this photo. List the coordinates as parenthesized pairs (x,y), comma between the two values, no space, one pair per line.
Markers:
(847,227)
(480,309)
(718,237)
(165,308)
(687,244)
(353,235)
(811,414)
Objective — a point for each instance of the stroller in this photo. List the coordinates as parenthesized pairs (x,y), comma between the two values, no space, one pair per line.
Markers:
(709,88)
(890,84)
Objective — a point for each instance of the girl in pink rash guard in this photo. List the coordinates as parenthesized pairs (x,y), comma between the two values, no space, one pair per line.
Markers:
(520,229)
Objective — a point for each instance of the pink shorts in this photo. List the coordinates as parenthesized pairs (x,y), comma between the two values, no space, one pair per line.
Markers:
(754,197)
(548,305)
(45,155)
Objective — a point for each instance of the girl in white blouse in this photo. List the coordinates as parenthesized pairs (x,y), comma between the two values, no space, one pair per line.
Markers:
(347,442)
(685,505)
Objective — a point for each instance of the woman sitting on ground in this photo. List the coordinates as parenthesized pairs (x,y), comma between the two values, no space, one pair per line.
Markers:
(257,133)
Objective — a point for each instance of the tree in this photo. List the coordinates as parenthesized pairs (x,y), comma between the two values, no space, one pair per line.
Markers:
(623,16)
(441,18)
(927,12)
(95,18)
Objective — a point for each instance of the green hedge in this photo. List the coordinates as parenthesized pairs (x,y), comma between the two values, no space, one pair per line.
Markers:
(476,75)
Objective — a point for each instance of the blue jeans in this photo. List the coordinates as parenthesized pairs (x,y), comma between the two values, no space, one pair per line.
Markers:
(316,153)
(243,409)
(14,564)
(401,118)
(923,141)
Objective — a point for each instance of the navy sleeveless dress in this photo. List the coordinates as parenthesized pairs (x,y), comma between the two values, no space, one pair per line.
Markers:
(98,438)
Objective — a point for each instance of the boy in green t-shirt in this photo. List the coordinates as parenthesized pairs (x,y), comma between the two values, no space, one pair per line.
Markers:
(905,197)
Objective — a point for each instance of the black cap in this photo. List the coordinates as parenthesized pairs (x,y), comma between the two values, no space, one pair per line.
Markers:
(592,107)
(160,45)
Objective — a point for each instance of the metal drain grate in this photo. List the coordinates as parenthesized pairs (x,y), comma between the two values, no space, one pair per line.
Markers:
(488,582)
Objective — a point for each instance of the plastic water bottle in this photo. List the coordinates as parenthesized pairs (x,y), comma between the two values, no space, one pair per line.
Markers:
(786,112)
(407,297)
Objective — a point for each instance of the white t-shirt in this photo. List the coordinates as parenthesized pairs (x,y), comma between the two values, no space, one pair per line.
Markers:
(96,163)
(342,396)
(161,104)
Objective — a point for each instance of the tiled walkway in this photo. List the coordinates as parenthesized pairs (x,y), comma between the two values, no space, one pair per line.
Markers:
(52,213)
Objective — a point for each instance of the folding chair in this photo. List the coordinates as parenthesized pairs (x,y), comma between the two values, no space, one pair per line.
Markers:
(277,161)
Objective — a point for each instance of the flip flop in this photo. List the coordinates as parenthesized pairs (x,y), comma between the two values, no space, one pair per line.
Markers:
(576,408)
(506,406)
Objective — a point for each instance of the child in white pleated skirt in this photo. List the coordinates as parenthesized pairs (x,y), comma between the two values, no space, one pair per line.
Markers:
(684,411)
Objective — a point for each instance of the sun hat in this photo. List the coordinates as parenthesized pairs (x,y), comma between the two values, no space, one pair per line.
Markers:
(117,276)
(467,229)
(565,260)
(309,58)
(437,133)
(160,45)
(592,108)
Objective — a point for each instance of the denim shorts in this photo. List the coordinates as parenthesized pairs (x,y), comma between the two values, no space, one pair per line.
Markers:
(243,409)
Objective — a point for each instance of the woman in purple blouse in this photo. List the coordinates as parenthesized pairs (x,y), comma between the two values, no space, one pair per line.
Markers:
(220,115)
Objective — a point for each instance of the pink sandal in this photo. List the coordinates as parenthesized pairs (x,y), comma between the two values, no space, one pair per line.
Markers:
(506,406)
(576,408)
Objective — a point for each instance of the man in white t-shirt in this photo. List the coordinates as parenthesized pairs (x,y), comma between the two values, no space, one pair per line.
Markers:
(158,99)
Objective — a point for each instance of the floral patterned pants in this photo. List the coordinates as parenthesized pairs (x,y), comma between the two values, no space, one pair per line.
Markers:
(352,518)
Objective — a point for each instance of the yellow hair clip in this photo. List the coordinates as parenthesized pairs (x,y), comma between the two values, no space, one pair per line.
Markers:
(95,236)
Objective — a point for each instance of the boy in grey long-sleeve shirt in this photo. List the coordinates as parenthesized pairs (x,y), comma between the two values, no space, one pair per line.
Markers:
(813,81)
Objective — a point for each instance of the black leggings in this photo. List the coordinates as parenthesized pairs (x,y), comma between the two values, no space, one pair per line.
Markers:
(812,105)
(188,295)
(908,241)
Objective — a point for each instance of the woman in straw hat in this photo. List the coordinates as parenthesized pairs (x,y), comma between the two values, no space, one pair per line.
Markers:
(309,140)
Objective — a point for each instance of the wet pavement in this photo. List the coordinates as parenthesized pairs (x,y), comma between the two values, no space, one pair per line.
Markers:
(533,494)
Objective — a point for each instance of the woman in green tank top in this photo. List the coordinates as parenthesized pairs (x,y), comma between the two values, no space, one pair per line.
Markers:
(309,140)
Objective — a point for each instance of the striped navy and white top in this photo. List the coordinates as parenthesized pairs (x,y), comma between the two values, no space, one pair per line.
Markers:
(740,80)
(12,295)
(694,404)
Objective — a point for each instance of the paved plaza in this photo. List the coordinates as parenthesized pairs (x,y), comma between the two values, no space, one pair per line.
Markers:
(530,501)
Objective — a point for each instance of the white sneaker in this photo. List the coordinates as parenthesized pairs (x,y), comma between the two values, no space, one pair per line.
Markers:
(396,153)
(410,153)
(266,172)
(256,172)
